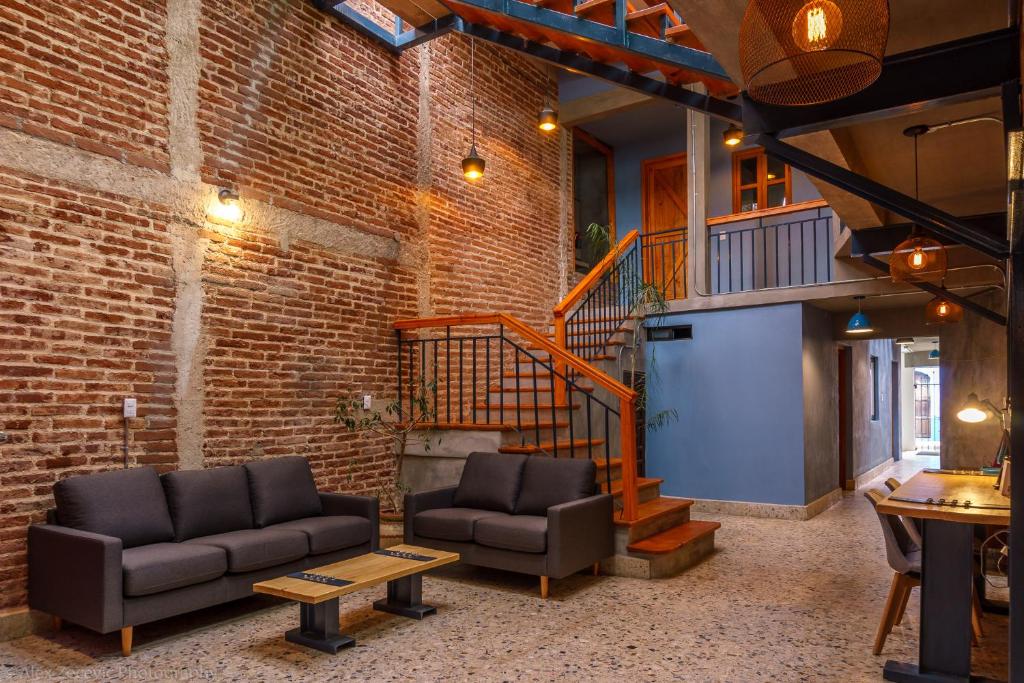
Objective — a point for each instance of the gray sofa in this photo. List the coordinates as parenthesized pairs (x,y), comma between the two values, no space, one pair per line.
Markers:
(129,547)
(530,514)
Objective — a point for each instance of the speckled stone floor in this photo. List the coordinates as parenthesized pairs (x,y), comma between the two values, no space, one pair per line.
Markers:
(779,601)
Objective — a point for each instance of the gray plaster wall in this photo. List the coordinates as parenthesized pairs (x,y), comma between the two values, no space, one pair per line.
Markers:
(871,439)
(973,359)
(821,405)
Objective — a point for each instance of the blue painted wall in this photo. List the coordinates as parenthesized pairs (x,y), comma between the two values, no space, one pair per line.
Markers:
(738,390)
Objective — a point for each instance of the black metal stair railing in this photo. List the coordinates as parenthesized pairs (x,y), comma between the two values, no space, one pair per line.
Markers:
(459,375)
(606,306)
(784,254)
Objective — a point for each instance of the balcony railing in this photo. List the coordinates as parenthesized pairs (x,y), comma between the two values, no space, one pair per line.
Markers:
(772,251)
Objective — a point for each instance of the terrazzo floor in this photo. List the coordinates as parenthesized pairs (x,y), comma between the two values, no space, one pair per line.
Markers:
(778,601)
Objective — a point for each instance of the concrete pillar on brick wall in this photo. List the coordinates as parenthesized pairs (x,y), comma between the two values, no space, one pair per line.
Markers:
(698,168)
(973,359)
(419,248)
(566,233)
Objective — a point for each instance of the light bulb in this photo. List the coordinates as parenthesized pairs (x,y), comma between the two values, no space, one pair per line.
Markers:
(917,259)
(817,25)
(972,415)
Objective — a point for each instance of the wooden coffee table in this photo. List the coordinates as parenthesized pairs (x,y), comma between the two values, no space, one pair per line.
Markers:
(318,602)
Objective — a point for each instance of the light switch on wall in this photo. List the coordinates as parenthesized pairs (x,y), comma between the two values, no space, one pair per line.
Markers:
(131,407)
(367,402)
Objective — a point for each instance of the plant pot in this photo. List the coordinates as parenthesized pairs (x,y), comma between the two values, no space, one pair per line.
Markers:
(392,529)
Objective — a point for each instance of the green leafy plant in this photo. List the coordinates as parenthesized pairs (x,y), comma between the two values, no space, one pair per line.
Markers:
(399,428)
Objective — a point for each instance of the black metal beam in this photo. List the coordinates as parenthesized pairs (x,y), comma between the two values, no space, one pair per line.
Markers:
(707,104)
(997,318)
(939,222)
(958,71)
(885,238)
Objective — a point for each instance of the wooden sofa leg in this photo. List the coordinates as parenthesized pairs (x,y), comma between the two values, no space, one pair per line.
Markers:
(544,587)
(597,569)
(57,623)
(126,641)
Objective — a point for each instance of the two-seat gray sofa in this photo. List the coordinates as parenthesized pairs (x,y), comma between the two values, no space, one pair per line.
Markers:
(129,547)
(529,514)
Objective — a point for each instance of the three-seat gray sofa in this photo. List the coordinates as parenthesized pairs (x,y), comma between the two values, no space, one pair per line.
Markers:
(129,547)
(529,514)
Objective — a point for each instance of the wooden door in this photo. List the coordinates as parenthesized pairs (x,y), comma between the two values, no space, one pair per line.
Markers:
(665,221)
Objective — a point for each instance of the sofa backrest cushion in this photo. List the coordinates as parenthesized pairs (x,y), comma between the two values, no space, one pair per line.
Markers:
(282,489)
(490,481)
(126,504)
(553,481)
(207,502)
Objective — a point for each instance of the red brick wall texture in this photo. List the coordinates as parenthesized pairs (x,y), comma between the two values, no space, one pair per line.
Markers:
(298,112)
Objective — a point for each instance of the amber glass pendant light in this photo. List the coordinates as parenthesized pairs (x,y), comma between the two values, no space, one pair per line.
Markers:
(918,258)
(473,164)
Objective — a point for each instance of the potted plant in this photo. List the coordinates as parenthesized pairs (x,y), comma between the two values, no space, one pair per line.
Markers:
(400,429)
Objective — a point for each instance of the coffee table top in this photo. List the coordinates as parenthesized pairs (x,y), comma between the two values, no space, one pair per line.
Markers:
(363,571)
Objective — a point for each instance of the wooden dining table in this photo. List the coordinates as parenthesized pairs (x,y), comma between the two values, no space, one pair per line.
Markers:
(949,506)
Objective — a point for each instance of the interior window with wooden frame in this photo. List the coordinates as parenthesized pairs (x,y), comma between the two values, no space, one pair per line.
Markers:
(759,181)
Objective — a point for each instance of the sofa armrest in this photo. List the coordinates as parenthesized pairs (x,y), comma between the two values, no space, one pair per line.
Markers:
(426,500)
(76,575)
(580,533)
(355,506)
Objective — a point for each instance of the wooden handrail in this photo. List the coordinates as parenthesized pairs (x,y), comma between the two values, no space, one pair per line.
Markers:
(559,355)
(762,213)
(592,277)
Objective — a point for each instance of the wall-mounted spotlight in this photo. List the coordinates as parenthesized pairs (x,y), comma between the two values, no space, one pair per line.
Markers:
(227,207)
(733,135)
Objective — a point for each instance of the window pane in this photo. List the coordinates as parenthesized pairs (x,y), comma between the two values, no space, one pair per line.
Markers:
(748,199)
(777,194)
(776,169)
(748,171)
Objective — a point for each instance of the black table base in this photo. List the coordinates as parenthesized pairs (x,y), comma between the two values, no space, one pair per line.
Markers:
(405,598)
(319,624)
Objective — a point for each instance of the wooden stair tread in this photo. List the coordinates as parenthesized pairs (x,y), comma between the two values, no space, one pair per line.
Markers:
(653,509)
(482,405)
(641,483)
(491,426)
(549,446)
(494,389)
(653,11)
(682,35)
(592,5)
(674,538)
(613,342)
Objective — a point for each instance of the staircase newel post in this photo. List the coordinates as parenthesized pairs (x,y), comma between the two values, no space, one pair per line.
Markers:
(558,380)
(627,432)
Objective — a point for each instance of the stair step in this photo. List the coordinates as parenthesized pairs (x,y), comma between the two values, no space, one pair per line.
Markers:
(682,35)
(641,482)
(482,405)
(587,345)
(653,509)
(672,539)
(494,389)
(592,6)
(549,447)
(648,21)
(491,426)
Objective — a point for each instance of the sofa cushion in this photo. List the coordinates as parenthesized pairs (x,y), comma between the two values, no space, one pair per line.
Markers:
(249,549)
(522,533)
(282,489)
(160,567)
(553,481)
(450,524)
(205,502)
(126,504)
(490,481)
(329,533)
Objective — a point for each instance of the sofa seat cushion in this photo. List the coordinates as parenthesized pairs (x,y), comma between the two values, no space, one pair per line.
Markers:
(552,481)
(330,533)
(127,504)
(522,533)
(162,567)
(450,524)
(251,549)
(490,481)
(206,502)
(282,489)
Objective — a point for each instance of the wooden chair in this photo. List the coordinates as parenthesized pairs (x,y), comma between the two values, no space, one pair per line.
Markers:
(904,557)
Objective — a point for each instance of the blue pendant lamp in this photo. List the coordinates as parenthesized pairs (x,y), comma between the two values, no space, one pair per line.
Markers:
(859,323)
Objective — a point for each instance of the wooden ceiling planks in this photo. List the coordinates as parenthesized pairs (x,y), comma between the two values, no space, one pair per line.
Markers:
(416,12)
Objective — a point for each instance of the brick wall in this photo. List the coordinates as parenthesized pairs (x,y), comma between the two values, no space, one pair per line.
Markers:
(237,338)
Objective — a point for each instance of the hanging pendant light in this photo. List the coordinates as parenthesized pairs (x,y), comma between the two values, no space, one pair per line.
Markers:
(802,52)
(473,165)
(547,121)
(918,258)
(859,322)
(941,311)
(733,135)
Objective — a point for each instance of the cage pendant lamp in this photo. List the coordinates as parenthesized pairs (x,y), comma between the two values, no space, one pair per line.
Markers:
(918,258)
(473,164)
(804,52)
